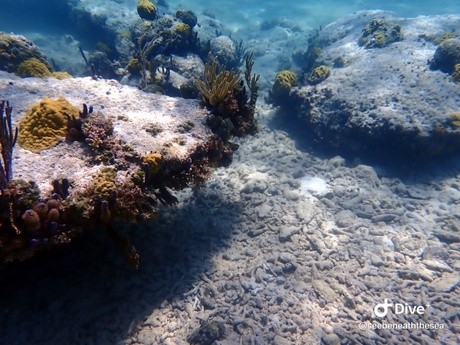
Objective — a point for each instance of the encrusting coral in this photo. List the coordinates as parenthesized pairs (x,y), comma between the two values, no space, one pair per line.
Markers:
(98,131)
(45,123)
(380,33)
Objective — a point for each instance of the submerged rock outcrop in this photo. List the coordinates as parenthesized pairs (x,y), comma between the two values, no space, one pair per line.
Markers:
(383,98)
(117,159)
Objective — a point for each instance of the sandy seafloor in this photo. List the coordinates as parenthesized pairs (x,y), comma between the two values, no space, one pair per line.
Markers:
(277,247)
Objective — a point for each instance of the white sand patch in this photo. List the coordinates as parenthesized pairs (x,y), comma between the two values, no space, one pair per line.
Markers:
(314,185)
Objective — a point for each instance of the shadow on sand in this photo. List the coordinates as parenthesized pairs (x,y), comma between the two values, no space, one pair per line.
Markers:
(86,293)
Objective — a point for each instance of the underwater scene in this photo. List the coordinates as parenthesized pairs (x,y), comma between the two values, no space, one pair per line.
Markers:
(229,172)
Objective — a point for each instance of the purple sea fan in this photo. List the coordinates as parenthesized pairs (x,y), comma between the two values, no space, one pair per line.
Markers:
(8,139)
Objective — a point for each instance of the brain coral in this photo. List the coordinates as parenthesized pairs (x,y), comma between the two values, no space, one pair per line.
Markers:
(183,30)
(146,10)
(284,81)
(45,123)
(14,49)
(187,17)
(446,56)
(33,68)
(319,74)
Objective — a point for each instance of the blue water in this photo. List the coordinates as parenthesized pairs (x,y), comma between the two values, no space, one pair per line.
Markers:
(47,23)
(313,13)
(23,15)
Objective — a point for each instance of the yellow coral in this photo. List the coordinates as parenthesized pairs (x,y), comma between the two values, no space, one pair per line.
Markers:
(319,74)
(154,162)
(33,68)
(183,30)
(134,66)
(218,82)
(454,119)
(456,73)
(61,75)
(146,10)
(284,81)
(45,123)
(445,36)
(104,184)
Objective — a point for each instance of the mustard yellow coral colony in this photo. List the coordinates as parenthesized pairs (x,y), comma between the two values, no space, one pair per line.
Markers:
(104,184)
(45,123)
(284,81)
(183,30)
(153,160)
(146,10)
(33,68)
